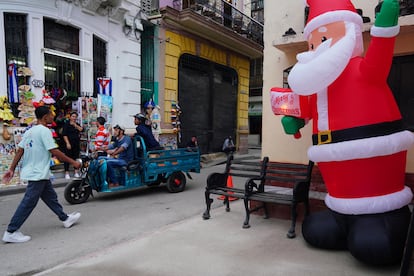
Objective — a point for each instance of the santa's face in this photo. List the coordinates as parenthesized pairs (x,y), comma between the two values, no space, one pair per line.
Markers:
(334,31)
(330,48)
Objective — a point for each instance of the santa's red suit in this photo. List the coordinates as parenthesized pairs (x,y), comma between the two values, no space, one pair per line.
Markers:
(362,144)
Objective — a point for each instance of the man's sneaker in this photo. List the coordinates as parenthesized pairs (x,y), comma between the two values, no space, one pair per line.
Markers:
(67,176)
(77,175)
(72,218)
(16,236)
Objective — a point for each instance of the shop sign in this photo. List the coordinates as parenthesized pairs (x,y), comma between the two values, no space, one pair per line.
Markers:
(255,109)
(38,83)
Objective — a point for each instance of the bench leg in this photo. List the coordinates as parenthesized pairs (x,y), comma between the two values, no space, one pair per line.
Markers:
(226,201)
(206,214)
(291,233)
(266,212)
(246,220)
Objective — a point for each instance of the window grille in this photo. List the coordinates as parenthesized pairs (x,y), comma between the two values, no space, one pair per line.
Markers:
(15,28)
(61,72)
(99,61)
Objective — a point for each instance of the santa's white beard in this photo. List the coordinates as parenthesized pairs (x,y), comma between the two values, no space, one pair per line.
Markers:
(316,70)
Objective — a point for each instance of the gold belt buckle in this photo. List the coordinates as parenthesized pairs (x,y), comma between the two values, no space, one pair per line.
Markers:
(324,137)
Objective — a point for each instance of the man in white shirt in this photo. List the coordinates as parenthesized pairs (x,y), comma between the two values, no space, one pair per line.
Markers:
(36,148)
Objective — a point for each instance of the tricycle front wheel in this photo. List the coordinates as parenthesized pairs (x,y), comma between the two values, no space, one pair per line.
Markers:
(176,182)
(77,191)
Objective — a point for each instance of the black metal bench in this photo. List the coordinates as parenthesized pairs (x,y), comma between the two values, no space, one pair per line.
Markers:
(266,183)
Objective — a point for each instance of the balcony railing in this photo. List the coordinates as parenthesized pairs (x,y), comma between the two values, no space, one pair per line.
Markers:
(230,17)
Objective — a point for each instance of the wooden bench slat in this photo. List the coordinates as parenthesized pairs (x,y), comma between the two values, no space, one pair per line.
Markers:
(244,169)
(244,175)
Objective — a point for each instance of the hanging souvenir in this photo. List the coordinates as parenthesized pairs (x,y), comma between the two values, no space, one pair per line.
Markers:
(13,89)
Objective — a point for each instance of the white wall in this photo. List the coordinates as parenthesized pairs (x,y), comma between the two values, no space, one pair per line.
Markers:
(123,52)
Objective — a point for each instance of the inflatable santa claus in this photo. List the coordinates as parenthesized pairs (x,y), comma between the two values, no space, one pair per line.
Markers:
(359,141)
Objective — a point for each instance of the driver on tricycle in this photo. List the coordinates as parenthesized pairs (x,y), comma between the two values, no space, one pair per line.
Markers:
(122,147)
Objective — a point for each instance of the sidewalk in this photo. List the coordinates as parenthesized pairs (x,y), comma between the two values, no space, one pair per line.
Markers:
(218,246)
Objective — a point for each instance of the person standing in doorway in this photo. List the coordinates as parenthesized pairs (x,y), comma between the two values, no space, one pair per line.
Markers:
(36,148)
(228,145)
(102,137)
(71,136)
(192,145)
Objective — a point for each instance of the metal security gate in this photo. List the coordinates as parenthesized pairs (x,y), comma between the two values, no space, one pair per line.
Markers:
(207,95)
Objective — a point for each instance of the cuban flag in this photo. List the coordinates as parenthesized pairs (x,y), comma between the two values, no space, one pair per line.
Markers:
(13,87)
(104,86)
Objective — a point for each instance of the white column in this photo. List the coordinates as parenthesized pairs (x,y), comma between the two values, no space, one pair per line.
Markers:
(86,51)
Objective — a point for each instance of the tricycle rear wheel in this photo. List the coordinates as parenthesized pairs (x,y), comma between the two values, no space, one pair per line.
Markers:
(77,191)
(176,182)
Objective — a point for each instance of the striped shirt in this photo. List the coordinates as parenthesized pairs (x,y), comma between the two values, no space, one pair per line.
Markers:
(101,138)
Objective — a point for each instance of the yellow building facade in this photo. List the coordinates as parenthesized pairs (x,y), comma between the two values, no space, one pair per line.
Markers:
(179,44)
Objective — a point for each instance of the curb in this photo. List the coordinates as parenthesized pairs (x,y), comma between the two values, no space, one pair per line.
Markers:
(22,188)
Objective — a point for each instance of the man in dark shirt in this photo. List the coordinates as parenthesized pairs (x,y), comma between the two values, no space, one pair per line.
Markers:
(145,132)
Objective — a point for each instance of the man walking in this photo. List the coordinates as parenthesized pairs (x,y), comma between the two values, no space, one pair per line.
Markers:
(36,149)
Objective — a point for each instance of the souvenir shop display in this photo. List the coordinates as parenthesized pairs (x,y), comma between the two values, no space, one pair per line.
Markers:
(88,112)
(175,117)
(17,112)
(5,110)
(26,108)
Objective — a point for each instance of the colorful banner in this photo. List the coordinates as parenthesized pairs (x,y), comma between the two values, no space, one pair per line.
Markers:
(105,107)
(104,86)
(13,86)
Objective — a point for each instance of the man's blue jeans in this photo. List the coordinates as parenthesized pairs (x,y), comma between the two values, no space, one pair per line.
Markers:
(113,164)
(36,189)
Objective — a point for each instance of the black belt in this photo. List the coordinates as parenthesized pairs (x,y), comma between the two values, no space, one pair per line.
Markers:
(360,132)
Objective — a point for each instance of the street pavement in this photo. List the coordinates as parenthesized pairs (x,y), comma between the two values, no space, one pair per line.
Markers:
(219,246)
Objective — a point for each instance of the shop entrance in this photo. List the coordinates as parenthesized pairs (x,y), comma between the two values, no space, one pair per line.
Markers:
(207,95)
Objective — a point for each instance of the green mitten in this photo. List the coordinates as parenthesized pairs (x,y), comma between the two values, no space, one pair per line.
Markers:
(388,15)
(292,125)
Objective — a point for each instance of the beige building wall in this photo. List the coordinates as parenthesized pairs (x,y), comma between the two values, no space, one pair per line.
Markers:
(280,53)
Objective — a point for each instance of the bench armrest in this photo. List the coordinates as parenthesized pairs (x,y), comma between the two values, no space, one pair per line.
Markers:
(251,186)
(216,180)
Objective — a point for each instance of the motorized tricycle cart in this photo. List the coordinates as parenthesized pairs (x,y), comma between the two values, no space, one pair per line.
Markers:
(149,168)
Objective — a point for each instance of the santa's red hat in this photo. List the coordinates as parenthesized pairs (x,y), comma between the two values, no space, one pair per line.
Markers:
(322,12)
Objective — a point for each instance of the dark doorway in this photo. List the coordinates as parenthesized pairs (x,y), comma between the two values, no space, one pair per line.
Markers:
(401,82)
(207,95)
